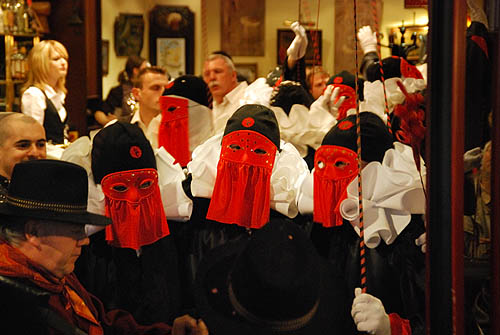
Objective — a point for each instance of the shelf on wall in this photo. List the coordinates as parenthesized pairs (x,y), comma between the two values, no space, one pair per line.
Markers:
(14,81)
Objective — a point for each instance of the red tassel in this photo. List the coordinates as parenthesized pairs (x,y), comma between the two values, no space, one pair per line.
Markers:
(412,122)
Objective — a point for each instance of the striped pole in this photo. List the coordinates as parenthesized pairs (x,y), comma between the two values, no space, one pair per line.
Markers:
(362,247)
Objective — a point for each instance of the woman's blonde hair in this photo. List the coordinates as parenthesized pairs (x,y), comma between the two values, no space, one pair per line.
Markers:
(39,65)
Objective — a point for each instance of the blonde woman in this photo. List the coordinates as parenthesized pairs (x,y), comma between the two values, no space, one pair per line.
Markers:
(44,93)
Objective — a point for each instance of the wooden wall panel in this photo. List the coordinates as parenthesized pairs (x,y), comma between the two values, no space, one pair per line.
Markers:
(344,31)
(77,25)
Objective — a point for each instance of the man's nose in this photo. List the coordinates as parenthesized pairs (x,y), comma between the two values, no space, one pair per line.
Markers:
(37,152)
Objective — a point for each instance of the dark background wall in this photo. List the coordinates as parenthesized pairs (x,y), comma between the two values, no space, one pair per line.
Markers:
(77,25)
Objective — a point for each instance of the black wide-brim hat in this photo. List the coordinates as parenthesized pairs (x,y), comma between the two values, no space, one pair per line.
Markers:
(49,190)
(228,271)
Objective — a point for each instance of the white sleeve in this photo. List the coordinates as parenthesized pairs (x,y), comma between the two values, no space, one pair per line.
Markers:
(95,204)
(258,92)
(203,167)
(79,152)
(33,103)
(176,203)
(288,174)
(319,123)
(305,196)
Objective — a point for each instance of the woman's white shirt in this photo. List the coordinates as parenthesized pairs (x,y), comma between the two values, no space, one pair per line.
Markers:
(33,102)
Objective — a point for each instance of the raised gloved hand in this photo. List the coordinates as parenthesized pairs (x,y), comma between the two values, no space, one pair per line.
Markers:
(472,159)
(367,39)
(477,13)
(327,101)
(421,241)
(369,314)
(297,48)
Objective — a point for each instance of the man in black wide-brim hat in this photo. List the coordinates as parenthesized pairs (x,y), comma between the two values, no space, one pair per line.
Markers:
(42,231)
(270,284)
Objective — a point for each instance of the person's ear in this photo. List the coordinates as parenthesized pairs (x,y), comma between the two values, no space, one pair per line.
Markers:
(32,230)
(136,91)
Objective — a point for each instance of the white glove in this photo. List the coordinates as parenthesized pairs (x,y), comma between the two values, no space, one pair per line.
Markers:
(369,314)
(477,13)
(367,39)
(421,242)
(297,48)
(472,159)
(327,100)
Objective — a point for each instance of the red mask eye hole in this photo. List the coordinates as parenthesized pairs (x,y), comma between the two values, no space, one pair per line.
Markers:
(341,164)
(260,151)
(146,184)
(172,108)
(234,146)
(120,188)
(321,165)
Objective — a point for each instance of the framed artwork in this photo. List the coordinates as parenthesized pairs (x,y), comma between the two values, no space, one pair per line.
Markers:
(415,3)
(243,27)
(128,34)
(105,56)
(171,55)
(171,39)
(285,38)
(249,71)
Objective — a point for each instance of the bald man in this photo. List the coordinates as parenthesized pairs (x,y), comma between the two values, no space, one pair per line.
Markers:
(22,138)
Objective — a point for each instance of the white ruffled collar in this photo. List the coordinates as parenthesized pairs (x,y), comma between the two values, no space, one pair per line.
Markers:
(392,191)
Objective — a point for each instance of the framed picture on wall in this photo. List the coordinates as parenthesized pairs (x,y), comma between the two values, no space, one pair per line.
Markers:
(105,56)
(243,27)
(171,55)
(129,32)
(285,38)
(249,71)
(171,39)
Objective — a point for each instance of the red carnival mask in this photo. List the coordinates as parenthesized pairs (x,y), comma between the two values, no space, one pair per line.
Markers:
(334,169)
(133,202)
(242,188)
(174,128)
(349,102)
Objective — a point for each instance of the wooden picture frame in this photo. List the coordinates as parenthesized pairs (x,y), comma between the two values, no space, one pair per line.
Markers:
(105,56)
(314,37)
(248,70)
(128,34)
(171,39)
